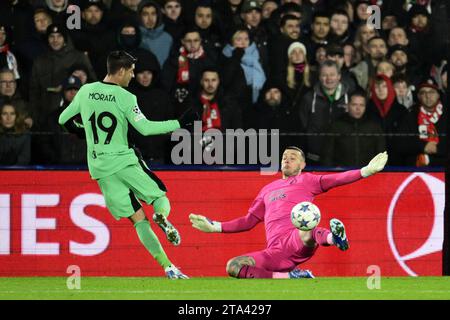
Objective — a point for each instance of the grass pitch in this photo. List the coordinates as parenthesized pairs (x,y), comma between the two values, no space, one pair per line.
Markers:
(92,288)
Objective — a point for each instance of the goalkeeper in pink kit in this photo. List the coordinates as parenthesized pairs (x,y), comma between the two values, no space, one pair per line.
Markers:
(287,246)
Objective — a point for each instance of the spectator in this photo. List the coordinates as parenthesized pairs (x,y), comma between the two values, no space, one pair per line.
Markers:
(361,12)
(155,104)
(355,138)
(252,18)
(229,13)
(14,138)
(384,108)
(320,30)
(7,58)
(243,75)
(287,8)
(9,92)
(275,111)
(210,103)
(267,8)
(340,32)
(50,70)
(350,56)
(366,69)
(174,23)
(279,44)
(363,34)
(154,38)
(399,56)
(57,9)
(429,119)
(95,38)
(296,78)
(60,147)
(81,72)
(206,24)
(398,36)
(385,67)
(35,43)
(320,106)
(444,82)
(419,35)
(16,14)
(403,91)
(336,53)
(123,11)
(182,72)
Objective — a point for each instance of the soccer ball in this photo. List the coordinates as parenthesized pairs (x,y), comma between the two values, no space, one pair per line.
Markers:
(305,216)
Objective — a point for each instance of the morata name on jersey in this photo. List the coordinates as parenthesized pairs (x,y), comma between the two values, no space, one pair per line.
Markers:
(102,97)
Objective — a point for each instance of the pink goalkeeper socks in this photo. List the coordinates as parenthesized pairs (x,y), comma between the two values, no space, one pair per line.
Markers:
(250,272)
(322,236)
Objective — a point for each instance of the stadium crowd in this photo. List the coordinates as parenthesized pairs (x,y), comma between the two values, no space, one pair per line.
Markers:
(305,67)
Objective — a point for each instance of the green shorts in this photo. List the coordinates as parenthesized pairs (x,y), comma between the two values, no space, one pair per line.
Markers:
(124,189)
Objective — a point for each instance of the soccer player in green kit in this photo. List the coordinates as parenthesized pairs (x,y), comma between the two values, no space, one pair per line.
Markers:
(106,108)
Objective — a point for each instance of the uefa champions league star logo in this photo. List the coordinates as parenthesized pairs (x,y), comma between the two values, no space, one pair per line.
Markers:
(433,243)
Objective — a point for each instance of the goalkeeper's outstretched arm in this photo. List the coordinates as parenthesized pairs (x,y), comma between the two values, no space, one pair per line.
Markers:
(338,179)
(241,224)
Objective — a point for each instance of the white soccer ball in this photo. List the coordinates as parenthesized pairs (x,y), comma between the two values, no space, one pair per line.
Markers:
(305,216)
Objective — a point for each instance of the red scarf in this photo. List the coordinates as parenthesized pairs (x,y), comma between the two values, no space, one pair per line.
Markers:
(183,63)
(211,114)
(4,48)
(383,106)
(427,120)
(427,130)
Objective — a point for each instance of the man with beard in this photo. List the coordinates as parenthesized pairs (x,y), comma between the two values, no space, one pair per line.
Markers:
(275,111)
(366,69)
(208,28)
(428,119)
(400,58)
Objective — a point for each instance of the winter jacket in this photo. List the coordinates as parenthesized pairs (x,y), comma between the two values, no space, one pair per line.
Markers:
(14,148)
(316,114)
(409,147)
(352,148)
(49,71)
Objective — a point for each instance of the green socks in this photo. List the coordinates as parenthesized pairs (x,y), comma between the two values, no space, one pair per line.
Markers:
(151,242)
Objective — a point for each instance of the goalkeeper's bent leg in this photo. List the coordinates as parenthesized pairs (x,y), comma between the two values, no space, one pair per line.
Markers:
(151,242)
(322,236)
(162,205)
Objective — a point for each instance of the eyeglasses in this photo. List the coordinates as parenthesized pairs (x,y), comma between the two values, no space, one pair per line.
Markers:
(8,82)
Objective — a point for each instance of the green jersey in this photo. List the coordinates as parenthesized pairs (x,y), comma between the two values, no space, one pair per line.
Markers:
(106,109)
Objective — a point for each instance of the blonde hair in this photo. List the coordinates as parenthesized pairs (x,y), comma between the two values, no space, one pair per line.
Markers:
(290,78)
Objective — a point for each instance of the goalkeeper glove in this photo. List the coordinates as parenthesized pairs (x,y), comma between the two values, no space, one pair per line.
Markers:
(204,224)
(375,165)
(187,119)
(75,126)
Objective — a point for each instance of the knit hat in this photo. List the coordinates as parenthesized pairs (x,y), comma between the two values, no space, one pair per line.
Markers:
(397,47)
(85,4)
(428,83)
(57,28)
(296,45)
(250,5)
(71,82)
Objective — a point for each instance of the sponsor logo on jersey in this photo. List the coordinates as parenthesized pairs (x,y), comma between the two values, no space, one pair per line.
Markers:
(102,97)
(277,195)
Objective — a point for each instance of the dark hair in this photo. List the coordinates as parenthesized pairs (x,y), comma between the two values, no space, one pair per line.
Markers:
(296,149)
(118,60)
(376,38)
(320,14)
(340,12)
(19,125)
(210,69)
(359,92)
(291,7)
(288,17)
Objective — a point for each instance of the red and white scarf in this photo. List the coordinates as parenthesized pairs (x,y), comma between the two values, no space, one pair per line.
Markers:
(183,63)
(427,129)
(211,114)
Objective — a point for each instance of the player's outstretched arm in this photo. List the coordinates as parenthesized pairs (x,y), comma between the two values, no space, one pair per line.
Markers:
(237,225)
(342,178)
(375,165)
(204,224)
(147,127)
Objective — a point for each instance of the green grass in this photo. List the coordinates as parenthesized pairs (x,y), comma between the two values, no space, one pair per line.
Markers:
(223,288)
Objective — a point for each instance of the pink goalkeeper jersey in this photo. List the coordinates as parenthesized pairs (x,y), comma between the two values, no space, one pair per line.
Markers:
(274,202)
